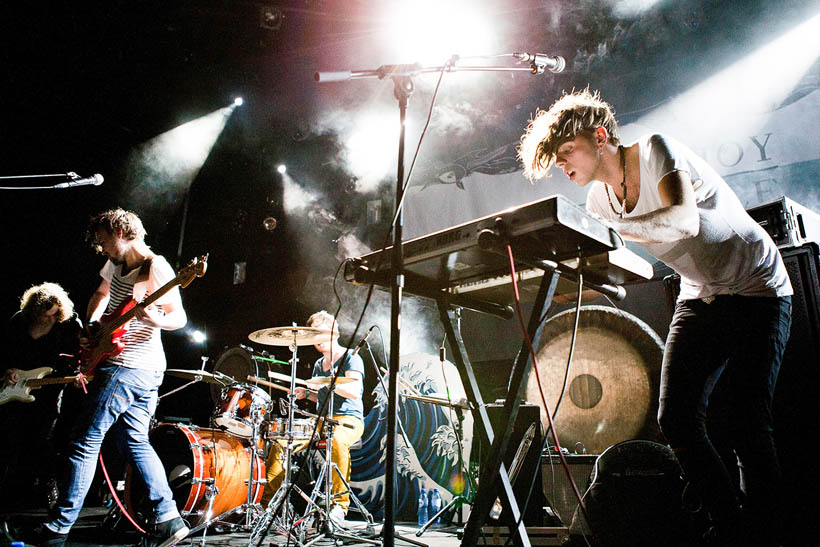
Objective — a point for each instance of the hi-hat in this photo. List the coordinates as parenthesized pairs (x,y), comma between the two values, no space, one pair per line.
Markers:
(202,375)
(325,380)
(287,336)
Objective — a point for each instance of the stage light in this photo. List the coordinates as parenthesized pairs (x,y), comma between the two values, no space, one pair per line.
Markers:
(169,162)
(239,101)
(632,8)
(430,31)
(281,168)
(198,337)
(294,197)
(738,99)
(370,148)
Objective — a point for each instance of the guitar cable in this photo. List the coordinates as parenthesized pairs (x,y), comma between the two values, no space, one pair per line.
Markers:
(519,315)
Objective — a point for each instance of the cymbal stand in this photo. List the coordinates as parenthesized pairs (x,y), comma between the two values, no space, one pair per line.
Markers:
(404,436)
(324,482)
(458,501)
(279,500)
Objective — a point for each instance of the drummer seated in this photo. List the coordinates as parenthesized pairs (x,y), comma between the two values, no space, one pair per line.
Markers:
(347,409)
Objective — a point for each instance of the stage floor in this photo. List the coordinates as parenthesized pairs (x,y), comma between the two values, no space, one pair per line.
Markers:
(91,531)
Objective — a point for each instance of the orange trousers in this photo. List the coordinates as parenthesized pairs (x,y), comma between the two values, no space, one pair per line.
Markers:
(343,439)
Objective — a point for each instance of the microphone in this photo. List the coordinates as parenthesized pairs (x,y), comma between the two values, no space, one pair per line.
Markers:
(363,341)
(542,60)
(93,180)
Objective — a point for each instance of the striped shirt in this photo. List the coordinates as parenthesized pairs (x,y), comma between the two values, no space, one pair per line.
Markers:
(143,345)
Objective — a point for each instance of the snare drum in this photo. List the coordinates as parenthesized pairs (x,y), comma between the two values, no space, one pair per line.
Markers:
(194,458)
(239,406)
(277,428)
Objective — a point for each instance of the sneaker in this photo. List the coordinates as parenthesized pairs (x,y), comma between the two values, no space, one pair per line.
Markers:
(165,533)
(337,515)
(40,536)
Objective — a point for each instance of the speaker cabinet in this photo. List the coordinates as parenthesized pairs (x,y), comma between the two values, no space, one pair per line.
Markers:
(796,403)
(557,487)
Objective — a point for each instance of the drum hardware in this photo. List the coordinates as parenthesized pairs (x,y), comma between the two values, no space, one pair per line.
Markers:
(441,400)
(323,489)
(279,504)
(293,337)
(459,500)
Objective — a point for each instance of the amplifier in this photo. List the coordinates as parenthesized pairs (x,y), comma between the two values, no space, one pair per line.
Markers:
(790,224)
(557,487)
(538,535)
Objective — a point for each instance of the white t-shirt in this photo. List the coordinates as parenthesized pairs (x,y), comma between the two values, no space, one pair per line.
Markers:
(731,254)
(143,345)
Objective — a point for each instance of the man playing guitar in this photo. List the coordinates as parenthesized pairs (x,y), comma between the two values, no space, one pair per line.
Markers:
(41,335)
(123,395)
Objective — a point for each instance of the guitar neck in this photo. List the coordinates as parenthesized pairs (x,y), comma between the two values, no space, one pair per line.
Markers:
(37,382)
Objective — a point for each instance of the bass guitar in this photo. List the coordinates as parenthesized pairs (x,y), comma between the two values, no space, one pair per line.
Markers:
(107,338)
(31,379)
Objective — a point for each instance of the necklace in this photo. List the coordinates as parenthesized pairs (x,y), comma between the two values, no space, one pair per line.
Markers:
(623,186)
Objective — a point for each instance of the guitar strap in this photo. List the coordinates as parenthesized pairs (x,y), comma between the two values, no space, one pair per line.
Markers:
(142,277)
(145,270)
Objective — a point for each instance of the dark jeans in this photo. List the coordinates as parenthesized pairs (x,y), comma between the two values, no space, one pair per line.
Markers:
(739,340)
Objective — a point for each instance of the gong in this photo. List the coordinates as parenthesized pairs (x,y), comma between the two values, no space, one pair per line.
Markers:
(612,387)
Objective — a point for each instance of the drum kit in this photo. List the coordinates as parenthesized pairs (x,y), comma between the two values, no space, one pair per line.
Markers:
(217,474)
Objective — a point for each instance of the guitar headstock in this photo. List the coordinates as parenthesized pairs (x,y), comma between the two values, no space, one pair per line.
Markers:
(195,269)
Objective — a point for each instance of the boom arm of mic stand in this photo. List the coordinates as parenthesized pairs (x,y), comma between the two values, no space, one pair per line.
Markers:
(387,71)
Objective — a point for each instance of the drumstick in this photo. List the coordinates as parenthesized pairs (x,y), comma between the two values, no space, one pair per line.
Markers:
(266,383)
(284,377)
(404,382)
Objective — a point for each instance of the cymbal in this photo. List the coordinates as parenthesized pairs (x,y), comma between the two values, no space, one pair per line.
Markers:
(201,375)
(287,336)
(325,380)
(438,399)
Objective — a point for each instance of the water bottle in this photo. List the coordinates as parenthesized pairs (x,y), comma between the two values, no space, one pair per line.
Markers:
(435,505)
(423,507)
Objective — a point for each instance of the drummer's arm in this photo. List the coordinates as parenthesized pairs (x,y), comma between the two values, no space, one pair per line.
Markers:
(310,392)
(351,390)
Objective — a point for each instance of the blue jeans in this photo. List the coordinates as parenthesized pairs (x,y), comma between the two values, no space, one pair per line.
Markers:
(123,400)
(738,340)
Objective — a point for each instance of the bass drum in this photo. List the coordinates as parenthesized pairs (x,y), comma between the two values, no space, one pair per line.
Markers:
(194,458)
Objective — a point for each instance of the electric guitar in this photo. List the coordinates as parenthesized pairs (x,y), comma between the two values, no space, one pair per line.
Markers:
(107,339)
(28,380)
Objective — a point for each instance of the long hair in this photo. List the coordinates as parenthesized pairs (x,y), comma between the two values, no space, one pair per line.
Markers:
(41,298)
(570,115)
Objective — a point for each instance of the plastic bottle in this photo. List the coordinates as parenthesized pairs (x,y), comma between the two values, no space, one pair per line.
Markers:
(435,505)
(423,507)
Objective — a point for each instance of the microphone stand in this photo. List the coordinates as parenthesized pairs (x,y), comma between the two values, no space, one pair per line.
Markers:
(70,176)
(403,88)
